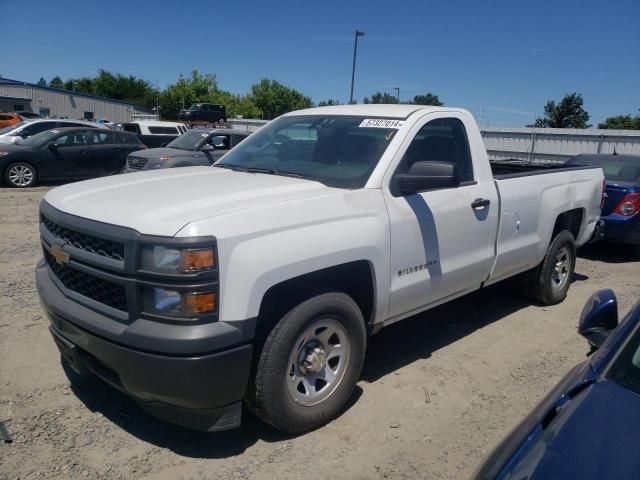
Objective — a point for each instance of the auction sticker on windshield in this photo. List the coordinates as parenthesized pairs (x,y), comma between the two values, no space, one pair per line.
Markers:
(381,123)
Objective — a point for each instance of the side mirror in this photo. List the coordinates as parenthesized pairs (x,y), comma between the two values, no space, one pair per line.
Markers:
(428,176)
(52,146)
(207,148)
(599,317)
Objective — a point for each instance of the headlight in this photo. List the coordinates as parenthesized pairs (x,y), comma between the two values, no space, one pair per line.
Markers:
(2,154)
(175,303)
(176,260)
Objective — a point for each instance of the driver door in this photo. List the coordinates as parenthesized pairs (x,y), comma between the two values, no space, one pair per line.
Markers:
(67,156)
(441,245)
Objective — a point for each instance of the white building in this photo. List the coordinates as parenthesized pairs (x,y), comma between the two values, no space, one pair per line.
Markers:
(16,96)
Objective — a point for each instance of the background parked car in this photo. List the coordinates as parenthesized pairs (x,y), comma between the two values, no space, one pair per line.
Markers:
(7,119)
(200,146)
(17,132)
(588,426)
(153,133)
(204,112)
(621,209)
(28,115)
(65,154)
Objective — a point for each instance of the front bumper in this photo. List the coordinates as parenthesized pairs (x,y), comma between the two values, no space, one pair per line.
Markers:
(202,391)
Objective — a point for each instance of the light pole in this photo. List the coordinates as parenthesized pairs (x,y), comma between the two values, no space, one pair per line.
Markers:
(353,70)
(397,89)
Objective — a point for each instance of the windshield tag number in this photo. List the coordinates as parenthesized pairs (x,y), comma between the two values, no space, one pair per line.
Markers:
(381,123)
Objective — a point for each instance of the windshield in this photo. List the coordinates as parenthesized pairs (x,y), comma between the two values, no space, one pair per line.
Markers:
(40,138)
(616,168)
(625,370)
(339,151)
(11,128)
(192,140)
(195,106)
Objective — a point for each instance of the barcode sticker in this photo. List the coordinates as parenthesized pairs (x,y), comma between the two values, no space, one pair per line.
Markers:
(381,123)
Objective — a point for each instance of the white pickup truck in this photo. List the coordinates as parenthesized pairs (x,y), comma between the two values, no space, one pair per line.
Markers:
(257,280)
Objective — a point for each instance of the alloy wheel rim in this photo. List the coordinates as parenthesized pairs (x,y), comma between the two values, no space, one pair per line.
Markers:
(561,268)
(20,175)
(317,362)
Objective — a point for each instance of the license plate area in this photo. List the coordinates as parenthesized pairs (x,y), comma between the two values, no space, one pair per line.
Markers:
(69,353)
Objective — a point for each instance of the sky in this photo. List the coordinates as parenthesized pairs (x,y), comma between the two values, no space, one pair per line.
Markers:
(502,60)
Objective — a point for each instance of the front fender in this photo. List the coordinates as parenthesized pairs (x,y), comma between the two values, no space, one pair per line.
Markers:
(262,247)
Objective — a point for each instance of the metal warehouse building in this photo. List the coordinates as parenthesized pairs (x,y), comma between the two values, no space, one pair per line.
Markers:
(16,96)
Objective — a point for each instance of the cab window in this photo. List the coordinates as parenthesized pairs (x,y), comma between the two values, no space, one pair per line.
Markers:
(101,138)
(441,140)
(76,139)
(37,127)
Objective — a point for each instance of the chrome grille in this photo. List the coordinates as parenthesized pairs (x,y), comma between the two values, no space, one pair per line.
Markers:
(136,163)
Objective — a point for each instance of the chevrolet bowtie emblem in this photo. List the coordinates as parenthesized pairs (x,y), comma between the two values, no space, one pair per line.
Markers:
(60,256)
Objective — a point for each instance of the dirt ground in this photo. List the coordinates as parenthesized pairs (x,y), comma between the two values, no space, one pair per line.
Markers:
(437,393)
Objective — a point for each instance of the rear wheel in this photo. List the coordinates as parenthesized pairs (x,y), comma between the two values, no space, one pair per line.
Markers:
(20,175)
(310,363)
(549,282)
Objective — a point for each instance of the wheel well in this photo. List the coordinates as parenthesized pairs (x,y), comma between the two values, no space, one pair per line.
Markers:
(570,220)
(356,279)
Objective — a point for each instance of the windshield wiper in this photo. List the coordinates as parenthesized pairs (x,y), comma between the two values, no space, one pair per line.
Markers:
(230,167)
(267,171)
(271,171)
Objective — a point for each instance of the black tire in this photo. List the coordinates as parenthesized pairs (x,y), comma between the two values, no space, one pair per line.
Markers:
(20,175)
(542,284)
(222,121)
(271,397)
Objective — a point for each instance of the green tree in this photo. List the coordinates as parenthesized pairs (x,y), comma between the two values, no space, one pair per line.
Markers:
(42,82)
(569,113)
(187,90)
(124,87)
(274,98)
(379,97)
(428,99)
(328,103)
(56,82)
(80,85)
(622,122)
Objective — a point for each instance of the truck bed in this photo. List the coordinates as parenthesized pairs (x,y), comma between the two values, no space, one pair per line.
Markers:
(503,169)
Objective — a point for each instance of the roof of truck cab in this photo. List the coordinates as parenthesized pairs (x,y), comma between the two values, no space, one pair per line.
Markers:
(372,110)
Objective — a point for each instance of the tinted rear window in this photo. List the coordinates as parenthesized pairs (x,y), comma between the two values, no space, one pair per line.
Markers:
(11,127)
(164,130)
(620,169)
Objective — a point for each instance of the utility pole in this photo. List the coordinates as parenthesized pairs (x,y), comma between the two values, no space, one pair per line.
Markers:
(353,70)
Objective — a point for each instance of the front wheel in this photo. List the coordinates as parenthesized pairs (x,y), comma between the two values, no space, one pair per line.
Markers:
(20,175)
(310,363)
(549,282)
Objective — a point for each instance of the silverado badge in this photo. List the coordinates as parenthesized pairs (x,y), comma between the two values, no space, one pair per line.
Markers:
(60,256)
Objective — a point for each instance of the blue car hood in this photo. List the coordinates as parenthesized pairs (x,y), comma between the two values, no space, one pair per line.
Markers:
(596,435)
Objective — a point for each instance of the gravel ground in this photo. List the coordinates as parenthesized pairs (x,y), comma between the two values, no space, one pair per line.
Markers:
(438,391)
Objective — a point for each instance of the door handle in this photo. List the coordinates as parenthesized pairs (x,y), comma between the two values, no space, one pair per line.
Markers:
(480,203)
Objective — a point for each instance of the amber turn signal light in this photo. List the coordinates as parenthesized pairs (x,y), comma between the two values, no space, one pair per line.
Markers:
(195,260)
(198,303)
